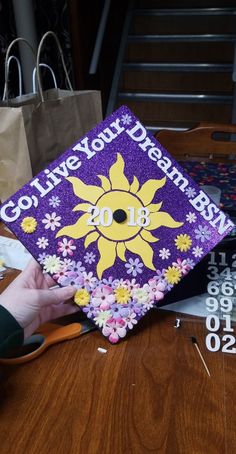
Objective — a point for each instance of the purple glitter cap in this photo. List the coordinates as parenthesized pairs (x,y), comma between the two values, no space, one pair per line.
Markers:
(117,217)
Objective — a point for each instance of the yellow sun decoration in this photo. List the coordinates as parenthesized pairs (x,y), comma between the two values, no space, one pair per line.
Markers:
(117,193)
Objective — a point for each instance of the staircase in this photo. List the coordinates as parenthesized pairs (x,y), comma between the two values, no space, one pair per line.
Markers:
(175,66)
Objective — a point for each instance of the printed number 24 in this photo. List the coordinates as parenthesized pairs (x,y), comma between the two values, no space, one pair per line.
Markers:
(105,216)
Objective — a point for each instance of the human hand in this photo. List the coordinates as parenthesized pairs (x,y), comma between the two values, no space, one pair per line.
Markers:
(31,301)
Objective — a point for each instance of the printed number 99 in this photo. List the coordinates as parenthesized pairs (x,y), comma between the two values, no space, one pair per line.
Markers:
(226,304)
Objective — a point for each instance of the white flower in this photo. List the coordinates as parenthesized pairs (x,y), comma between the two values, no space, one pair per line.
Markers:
(51,264)
(42,257)
(148,304)
(126,119)
(89,257)
(130,320)
(102,317)
(164,253)
(54,201)
(67,262)
(118,283)
(197,251)
(89,279)
(191,217)
(202,233)
(134,267)
(141,295)
(51,221)
(190,263)
(190,192)
(42,242)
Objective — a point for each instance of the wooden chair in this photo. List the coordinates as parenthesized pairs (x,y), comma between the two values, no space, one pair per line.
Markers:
(210,142)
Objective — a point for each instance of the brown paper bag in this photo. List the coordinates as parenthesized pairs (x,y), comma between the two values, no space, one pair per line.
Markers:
(41,127)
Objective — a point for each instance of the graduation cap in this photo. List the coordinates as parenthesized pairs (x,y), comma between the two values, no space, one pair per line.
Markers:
(116,216)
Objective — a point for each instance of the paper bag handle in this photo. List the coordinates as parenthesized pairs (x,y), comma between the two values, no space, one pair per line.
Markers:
(17,40)
(11,58)
(45,36)
(34,74)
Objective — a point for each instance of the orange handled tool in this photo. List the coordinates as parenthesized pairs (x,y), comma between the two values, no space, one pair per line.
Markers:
(48,334)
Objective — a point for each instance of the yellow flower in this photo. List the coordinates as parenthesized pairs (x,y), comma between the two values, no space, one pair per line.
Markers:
(117,193)
(122,295)
(183,242)
(172,275)
(82,297)
(29,224)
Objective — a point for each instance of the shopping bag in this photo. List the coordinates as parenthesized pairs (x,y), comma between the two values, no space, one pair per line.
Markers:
(51,121)
(15,164)
(60,117)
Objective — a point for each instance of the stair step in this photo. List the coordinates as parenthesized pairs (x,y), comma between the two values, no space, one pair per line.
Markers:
(185,11)
(173,52)
(176,67)
(182,38)
(174,25)
(177,97)
(151,113)
(163,81)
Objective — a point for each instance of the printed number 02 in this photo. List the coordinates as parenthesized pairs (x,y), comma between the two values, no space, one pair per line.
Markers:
(213,343)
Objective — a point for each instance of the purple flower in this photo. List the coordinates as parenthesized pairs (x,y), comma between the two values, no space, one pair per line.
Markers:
(134,267)
(71,279)
(90,310)
(202,233)
(76,267)
(119,311)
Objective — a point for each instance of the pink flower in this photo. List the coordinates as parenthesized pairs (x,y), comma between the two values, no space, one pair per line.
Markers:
(62,272)
(103,297)
(182,265)
(155,289)
(66,247)
(114,328)
(131,284)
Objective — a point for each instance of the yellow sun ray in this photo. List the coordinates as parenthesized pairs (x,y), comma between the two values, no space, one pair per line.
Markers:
(154,207)
(107,251)
(77,230)
(148,189)
(84,191)
(90,238)
(134,187)
(121,251)
(161,218)
(117,176)
(82,207)
(147,236)
(106,185)
(143,249)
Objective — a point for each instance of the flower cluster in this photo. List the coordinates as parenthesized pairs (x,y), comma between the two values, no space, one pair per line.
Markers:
(114,305)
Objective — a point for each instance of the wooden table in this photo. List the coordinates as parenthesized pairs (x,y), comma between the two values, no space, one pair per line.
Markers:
(148,394)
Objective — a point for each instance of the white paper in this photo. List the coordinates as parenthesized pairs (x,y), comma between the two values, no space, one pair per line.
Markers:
(13,253)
